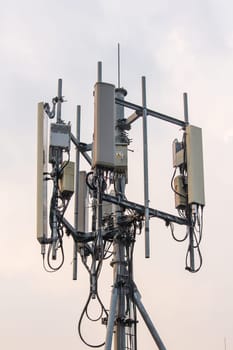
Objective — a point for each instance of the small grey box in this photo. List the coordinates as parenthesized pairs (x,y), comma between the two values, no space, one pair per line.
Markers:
(109,208)
(121,157)
(66,183)
(60,135)
(180,194)
(178,153)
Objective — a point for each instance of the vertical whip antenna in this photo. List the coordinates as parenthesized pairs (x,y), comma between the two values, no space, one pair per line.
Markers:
(99,72)
(186,113)
(118,66)
(59,95)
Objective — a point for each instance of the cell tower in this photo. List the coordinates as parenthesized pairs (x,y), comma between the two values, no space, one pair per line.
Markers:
(115,221)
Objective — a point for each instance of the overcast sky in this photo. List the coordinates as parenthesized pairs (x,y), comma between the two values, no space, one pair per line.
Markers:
(179,46)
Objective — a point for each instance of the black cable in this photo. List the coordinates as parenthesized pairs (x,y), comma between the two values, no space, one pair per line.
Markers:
(81,319)
(89,183)
(60,170)
(173,234)
(44,266)
(172,187)
(103,310)
(107,250)
(200,259)
(199,254)
(49,257)
(85,264)
(54,209)
(133,335)
(127,233)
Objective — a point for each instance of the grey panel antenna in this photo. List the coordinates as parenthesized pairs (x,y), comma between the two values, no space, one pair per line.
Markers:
(82,203)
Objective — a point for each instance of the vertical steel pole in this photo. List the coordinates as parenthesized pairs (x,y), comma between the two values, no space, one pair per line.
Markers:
(120,326)
(58,161)
(119,245)
(77,167)
(146,178)
(111,319)
(189,228)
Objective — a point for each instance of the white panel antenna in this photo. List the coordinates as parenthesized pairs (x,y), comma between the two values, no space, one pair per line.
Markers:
(42,161)
(104,126)
(195,170)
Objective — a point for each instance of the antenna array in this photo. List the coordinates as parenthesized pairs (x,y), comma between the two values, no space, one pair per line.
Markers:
(115,221)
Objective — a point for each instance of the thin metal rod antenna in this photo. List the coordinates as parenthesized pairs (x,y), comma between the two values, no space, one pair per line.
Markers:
(186,113)
(76,209)
(59,95)
(189,228)
(99,72)
(118,66)
(225,343)
(145,159)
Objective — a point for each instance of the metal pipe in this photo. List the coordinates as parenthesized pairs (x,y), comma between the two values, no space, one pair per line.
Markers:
(146,177)
(118,66)
(59,95)
(119,245)
(77,167)
(190,228)
(186,114)
(191,248)
(99,72)
(150,112)
(120,334)
(147,320)
(141,209)
(111,319)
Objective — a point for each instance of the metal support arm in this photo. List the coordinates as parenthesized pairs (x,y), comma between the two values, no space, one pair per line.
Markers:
(82,149)
(141,209)
(155,114)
